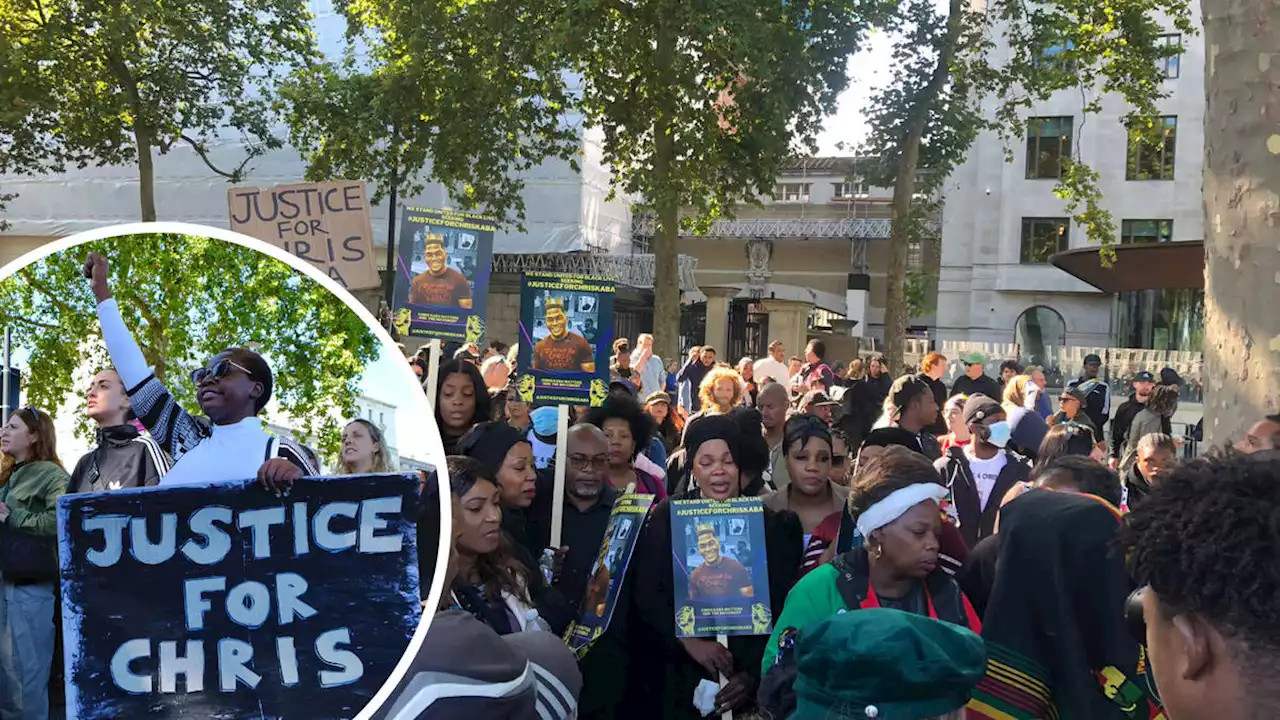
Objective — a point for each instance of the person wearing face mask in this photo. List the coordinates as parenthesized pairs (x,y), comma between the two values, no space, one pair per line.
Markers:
(461,402)
(895,506)
(714,445)
(980,473)
(364,449)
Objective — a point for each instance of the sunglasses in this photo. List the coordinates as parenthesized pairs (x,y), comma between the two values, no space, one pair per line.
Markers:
(218,370)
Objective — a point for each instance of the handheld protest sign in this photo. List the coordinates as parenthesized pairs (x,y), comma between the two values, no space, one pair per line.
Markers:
(433,372)
(222,600)
(562,466)
(443,262)
(326,224)
(720,568)
(609,571)
(566,329)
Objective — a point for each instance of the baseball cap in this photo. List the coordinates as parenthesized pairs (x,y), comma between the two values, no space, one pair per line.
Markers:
(1092,359)
(1143,376)
(973,359)
(814,398)
(1169,376)
(979,407)
(465,669)
(625,385)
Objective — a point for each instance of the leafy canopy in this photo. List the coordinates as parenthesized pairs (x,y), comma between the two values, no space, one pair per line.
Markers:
(82,81)
(185,299)
(469,95)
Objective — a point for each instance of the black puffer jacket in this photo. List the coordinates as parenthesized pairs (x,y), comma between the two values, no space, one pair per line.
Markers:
(123,458)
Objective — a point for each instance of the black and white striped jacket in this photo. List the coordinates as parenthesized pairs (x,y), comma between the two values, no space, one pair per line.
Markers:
(123,458)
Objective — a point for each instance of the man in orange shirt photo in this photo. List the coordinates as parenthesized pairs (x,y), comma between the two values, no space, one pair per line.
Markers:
(563,349)
(440,285)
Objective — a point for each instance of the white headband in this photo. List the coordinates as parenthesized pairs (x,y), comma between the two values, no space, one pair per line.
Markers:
(899,501)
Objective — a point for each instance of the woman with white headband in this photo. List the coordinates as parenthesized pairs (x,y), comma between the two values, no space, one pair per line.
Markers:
(895,504)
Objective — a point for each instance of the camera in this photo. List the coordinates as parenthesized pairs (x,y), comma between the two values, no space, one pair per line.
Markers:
(1133,616)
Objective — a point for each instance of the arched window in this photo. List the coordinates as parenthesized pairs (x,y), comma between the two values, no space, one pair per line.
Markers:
(1040,333)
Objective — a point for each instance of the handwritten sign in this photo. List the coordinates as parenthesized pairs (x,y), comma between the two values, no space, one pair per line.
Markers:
(326,224)
(225,601)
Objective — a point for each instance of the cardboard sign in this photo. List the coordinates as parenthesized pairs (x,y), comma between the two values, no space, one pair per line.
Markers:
(609,571)
(326,224)
(720,568)
(442,274)
(566,334)
(226,601)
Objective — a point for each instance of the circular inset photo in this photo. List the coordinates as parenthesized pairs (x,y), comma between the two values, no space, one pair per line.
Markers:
(220,487)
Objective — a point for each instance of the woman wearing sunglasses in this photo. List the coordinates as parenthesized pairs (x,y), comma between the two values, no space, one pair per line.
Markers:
(31,480)
(230,443)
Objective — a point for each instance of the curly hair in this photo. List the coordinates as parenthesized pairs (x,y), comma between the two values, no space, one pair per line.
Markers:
(897,467)
(625,408)
(706,391)
(1163,400)
(1206,541)
(499,570)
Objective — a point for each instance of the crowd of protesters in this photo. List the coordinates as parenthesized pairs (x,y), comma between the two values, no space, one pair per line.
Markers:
(932,551)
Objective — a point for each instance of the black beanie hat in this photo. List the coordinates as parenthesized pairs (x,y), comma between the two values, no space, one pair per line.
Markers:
(713,427)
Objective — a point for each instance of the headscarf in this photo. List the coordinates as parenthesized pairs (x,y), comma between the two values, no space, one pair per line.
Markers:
(1055,624)
(714,427)
(489,443)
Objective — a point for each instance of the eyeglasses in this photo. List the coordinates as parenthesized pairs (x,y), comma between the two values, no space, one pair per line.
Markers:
(582,462)
(218,370)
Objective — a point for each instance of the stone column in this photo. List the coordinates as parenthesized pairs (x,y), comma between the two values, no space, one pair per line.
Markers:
(789,323)
(717,328)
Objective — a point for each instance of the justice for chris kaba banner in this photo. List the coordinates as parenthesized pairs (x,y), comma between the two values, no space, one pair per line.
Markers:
(226,601)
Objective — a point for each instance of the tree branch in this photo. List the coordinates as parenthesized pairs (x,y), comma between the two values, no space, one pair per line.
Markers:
(52,296)
(233,176)
(29,321)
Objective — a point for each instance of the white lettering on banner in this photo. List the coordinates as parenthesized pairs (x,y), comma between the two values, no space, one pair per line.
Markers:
(121,675)
(288,655)
(193,600)
(190,666)
(211,525)
(350,669)
(233,665)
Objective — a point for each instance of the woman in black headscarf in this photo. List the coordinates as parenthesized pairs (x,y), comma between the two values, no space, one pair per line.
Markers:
(715,447)
(1058,643)
(524,498)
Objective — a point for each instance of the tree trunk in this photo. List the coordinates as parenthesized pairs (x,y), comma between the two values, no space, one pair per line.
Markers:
(1241,370)
(895,306)
(146,174)
(666,270)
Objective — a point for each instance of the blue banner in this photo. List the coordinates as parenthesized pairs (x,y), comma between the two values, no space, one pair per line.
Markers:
(566,334)
(442,274)
(720,568)
(226,601)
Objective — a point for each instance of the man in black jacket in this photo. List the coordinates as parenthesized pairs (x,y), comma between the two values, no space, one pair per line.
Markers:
(975,381)
(1097,401)
(980,474)
(123,457)
(701,360)
(1143,383)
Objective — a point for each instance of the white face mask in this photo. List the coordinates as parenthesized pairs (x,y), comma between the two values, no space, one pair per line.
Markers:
(998,433)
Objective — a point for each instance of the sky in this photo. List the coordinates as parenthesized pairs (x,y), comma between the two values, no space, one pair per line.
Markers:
(868,70)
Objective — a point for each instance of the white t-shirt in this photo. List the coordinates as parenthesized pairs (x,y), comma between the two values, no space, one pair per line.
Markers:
(985,473)
(771,368)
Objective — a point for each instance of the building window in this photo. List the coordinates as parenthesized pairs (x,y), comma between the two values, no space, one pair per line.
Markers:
(1171,65)
(1040,334)
(1048,143)
(1151,152)
(1145,231)
(1042,237)
(845,190)
(1055,56)
(793,192)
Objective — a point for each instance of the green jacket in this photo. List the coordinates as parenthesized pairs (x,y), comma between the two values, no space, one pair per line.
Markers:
(32,497)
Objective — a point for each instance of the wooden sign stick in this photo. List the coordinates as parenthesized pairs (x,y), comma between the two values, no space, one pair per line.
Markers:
(562,466)
(433,372)
(724,642)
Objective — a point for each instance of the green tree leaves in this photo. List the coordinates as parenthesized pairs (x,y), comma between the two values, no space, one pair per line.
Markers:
(186,299)
(108,83)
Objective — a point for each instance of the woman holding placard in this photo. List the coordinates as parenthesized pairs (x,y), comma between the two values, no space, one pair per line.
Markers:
(31,480)
(462,400)
(715,450)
